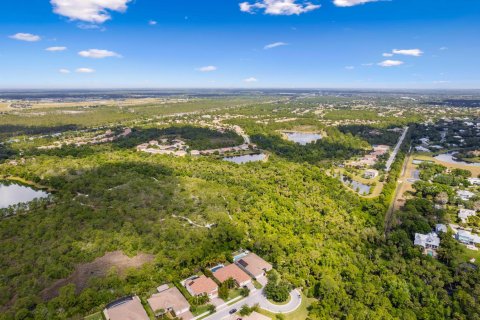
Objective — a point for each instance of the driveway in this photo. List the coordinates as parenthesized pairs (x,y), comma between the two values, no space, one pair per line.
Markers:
(258,297)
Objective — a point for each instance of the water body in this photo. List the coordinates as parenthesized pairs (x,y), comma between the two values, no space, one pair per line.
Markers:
(449,158)
(246,158)
(12,193)
(303,138)
(361,188)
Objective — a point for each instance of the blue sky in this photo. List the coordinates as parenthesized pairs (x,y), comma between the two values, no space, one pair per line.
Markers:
(246,43)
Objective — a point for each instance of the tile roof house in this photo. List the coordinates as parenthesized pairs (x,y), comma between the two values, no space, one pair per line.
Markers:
(128,308)
(169,300)
(254,265)
(202,286)
(234,272)
(429,242)
(464,214)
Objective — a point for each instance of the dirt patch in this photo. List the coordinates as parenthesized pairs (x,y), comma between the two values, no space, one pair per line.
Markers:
(97,268)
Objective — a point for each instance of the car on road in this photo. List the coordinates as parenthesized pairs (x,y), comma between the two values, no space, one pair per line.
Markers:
(232,311)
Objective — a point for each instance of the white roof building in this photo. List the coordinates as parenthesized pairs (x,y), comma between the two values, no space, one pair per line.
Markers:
(465,195)
(429,242)
(464,214)
(474,181)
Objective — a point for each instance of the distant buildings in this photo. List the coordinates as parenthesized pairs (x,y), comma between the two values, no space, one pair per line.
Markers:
(474,181)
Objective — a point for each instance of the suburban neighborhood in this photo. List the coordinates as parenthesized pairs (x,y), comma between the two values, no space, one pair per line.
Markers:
(200,296)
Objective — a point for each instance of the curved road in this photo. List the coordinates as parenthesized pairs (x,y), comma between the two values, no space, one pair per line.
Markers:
(258,297)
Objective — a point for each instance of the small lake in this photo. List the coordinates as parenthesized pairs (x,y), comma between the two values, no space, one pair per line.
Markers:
(361,188)
(449,158)
(302,138)
(12,193)
(246,158)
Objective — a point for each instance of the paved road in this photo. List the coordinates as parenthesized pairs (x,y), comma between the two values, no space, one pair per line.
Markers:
(258,297)
(395,151)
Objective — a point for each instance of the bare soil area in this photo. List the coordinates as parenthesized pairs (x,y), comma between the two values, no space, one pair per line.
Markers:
(97,268)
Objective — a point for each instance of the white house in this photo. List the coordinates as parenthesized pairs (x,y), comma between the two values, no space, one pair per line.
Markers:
(440,228)
(429,242)
(467,237)
(464,214)
(474,181)
(370,174)
(465,195)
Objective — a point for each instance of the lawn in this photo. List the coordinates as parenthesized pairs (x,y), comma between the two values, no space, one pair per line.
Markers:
(300,314)
(95,316)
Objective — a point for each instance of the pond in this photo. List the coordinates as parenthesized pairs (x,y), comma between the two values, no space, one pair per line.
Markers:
(12,193)
(246,158)
(450,158)
(361,188)
(302,138)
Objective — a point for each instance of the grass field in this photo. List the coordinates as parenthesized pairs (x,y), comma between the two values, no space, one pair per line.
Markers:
(300,314)
(95,316)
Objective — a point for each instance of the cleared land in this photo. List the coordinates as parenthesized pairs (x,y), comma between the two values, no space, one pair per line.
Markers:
(97,268)
(475,170)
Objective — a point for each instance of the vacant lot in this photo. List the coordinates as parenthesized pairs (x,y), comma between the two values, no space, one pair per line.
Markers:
(97,268)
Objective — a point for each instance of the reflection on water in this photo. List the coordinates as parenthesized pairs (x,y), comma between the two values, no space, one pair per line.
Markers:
(303,138)
(361,188)
(449,158)
(246,158)
(13,193)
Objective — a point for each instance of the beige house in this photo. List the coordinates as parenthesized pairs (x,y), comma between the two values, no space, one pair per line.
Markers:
(169,300)
(202,286)
(128,308)
(255,266)
(234,272)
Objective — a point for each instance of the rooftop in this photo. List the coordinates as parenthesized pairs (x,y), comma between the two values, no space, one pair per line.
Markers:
(170,299)
(231,271)
(128,308)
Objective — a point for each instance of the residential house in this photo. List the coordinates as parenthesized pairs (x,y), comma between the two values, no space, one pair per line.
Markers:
(429,242)
(172,301)
(128,308)
(440,228)
(202,286)
(465,195)
(234,272)
(370,174)
(464,214)
(474,181)
(255,266)
(466,237)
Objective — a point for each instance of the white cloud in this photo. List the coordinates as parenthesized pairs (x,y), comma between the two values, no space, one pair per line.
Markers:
(274,45)
(98,54)
(55,49)
(64,71)
(152,22)
(26,37)
(207,69)
(85,70)
(386,54)
(408,52)
(279,7)
(351,3)
(443,48)
(94,11)
(250,80)
(349,67)
(390,63)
